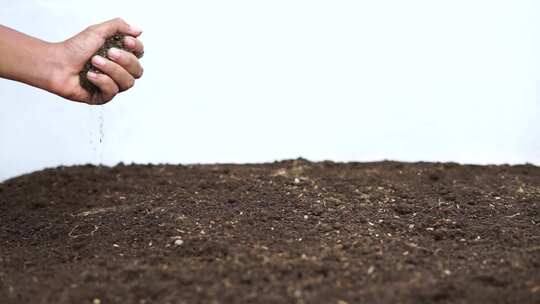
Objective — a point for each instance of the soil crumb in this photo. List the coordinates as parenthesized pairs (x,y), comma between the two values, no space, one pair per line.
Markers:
(286,232)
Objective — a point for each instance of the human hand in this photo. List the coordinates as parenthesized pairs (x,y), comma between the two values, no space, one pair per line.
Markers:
(119,70)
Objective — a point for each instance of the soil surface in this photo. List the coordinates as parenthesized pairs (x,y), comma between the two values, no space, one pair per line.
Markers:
(287,232)
(116,41)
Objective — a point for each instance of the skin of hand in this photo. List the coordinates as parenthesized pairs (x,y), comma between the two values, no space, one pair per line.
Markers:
(55,67)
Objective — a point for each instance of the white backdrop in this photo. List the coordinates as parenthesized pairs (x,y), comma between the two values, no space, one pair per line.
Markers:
(252,81)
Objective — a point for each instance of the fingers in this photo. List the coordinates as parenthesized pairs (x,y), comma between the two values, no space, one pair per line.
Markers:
(127,60)
(120,72)
(134,45)
(108,87)
(117,73)
(111,27)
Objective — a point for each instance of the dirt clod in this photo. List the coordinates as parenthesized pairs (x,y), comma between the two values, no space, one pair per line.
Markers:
(115,41)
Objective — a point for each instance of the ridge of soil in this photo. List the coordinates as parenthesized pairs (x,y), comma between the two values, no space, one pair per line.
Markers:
(286,232)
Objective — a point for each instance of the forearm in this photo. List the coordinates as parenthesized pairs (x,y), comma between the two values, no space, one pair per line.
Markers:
(27,59)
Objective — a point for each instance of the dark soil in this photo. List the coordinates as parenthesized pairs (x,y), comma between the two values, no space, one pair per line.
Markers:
(116,41)
(287,232)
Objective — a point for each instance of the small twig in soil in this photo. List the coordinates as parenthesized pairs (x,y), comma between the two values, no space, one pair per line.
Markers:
(91,233)
(97,211)
(534,248)
(413,245)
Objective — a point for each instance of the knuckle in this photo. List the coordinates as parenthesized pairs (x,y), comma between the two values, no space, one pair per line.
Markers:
(107,85)
(121,23)
(92,28)
(119,57)
(114,69)
(100,78)
(106,80)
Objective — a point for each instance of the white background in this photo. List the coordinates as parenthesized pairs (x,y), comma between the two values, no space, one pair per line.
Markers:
(253,81)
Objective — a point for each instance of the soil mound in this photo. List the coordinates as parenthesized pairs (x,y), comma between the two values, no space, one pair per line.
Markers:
(286,232)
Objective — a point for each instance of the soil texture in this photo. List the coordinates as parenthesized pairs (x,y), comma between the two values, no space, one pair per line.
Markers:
(286,232)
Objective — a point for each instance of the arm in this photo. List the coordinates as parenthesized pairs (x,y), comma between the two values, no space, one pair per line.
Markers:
(55,67)
(26,59)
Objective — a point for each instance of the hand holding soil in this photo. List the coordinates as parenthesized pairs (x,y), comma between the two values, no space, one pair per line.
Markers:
(108,54)
(119,67)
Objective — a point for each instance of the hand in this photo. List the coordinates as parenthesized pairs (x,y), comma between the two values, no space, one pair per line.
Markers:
(119,70)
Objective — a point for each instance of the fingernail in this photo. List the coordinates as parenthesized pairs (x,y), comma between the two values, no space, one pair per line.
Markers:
(98,60)
(135,29)
(114,53)
(91,75)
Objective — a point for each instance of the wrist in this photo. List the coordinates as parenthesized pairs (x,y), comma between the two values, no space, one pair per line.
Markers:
(53,70)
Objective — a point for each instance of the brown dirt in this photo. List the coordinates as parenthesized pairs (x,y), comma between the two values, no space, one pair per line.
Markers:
(287,232)
(116,41)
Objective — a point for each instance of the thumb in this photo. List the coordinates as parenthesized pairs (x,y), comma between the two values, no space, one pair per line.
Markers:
(117,25)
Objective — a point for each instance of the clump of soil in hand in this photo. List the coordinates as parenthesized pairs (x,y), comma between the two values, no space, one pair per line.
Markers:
(115,41)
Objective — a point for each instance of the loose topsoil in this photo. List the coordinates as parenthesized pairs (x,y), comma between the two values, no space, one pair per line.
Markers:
(287,232)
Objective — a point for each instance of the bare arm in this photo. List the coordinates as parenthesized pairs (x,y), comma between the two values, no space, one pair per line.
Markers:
(26,59)
(55,67)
